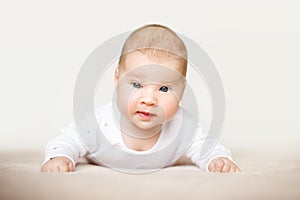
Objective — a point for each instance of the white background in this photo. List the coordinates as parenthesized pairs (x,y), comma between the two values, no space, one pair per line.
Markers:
(255,46)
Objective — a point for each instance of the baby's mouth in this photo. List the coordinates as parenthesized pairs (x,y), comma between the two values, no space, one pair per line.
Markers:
(144,115)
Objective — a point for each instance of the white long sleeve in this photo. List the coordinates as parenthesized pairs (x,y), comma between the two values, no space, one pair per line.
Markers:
(67,144)
(202,159)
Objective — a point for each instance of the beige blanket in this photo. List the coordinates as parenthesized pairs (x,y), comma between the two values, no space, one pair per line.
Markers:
(268,172)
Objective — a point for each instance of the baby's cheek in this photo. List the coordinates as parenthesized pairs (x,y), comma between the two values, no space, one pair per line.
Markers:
(126,99)
(170,108)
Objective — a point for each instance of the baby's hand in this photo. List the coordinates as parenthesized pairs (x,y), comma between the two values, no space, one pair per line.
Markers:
(222,165)
(57,165)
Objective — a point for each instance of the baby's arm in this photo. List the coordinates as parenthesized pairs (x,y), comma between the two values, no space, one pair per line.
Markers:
(217,159)
(63,152)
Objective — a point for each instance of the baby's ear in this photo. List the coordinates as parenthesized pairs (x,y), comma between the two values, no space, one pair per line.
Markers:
(182,89)
(184,83)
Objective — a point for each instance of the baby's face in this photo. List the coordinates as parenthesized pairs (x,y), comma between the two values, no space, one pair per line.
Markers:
(149,91)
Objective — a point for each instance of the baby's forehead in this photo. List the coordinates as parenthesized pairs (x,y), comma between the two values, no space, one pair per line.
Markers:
(154,73)
(138,59)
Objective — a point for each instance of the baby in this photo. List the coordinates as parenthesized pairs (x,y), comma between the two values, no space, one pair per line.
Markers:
(149,83)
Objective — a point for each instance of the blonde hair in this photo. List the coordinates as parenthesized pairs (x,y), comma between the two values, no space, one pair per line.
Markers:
(157,42)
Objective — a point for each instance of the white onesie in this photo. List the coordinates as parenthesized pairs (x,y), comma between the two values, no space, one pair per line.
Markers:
(70,144)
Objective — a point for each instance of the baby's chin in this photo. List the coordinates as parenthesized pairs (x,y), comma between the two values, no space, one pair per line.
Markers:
(148,125)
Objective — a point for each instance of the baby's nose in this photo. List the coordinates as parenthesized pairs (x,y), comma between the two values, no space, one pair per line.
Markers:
(148,97)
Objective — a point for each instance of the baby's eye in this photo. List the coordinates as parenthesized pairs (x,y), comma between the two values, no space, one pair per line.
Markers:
(136,85)
(164,89)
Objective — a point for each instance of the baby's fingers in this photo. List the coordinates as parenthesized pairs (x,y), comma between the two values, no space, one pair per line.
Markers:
(226,167)
(216,166)
(49,168)
(235,169)
(232,169)
(57,167)
(70,167)
(63,168)
(44,169)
